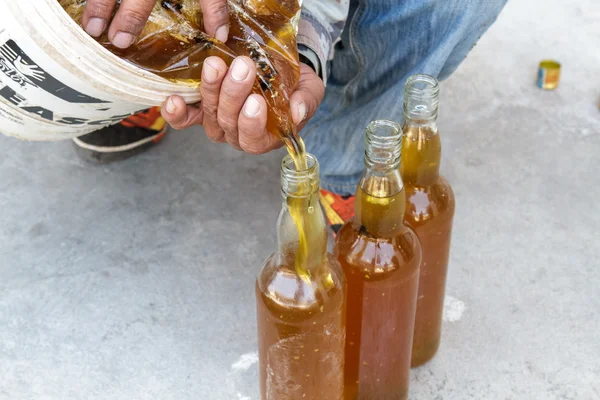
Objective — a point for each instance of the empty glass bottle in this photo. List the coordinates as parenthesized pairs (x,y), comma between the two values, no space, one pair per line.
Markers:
(301,311)
(429,209)
(380,257)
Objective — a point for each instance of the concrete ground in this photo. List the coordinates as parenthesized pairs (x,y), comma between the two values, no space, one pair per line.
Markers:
(135,280)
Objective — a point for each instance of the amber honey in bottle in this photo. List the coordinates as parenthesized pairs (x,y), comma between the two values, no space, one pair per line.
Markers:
(301,313)
(380,257)
(429,209)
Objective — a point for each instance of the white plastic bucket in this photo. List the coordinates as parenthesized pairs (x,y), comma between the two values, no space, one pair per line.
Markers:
(57,83)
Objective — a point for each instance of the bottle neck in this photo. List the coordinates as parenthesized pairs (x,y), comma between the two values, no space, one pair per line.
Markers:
(301,232)
(421,146)
(380,201)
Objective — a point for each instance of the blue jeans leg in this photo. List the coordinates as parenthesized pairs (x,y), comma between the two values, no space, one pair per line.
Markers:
(384,42)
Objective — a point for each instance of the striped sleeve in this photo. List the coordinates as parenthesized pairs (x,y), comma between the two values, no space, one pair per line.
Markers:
(320,28)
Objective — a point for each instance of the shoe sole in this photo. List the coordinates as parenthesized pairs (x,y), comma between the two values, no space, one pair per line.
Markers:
(104,155)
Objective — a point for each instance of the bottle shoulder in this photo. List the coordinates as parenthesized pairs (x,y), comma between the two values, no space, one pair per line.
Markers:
(424,203)
(398,255)
(279,284)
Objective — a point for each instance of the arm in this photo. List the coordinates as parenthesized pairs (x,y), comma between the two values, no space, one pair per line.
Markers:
(320,28)
(230,113)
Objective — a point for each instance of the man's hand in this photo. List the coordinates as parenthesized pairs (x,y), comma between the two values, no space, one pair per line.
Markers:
(230,112)
(131,18)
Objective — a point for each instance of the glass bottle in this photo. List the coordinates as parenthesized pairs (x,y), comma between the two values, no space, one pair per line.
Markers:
(301,312)
(429,209)
(380,257)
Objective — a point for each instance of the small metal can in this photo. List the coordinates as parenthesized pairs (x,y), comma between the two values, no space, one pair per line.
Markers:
(548,74)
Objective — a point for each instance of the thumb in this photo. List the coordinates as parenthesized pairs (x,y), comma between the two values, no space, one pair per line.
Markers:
(307,97)
(180,115)
(216,18)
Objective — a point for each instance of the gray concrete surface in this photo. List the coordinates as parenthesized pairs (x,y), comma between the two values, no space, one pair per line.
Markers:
(135,280)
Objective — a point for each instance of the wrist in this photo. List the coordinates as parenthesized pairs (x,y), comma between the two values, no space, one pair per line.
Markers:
(310,58)
(307,61)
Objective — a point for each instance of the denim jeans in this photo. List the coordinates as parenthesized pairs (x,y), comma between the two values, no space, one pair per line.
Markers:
(384,42)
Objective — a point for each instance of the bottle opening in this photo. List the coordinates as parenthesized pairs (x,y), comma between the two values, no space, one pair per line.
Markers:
(299,183)
(421,94)
(422,85)
(383,143)
(384,130)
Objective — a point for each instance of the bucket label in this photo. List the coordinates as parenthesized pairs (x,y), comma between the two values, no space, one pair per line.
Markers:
(19,67)
(41,99)
(16,99)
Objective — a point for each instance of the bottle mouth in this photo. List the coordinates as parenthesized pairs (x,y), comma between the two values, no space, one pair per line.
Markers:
(384,131)
(421,94)
(299,183)
(383,142)
(422,85)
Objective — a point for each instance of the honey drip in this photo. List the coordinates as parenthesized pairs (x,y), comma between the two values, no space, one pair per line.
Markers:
(174,46)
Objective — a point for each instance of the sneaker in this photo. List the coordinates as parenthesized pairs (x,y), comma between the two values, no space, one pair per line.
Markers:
(338,209)
(118,142)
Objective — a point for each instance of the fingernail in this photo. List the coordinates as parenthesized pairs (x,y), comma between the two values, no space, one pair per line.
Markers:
(239,70)
(302,111)
(123,40)
(252,107)
(95,26)
(209,73)
(170,106)
(222,33)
